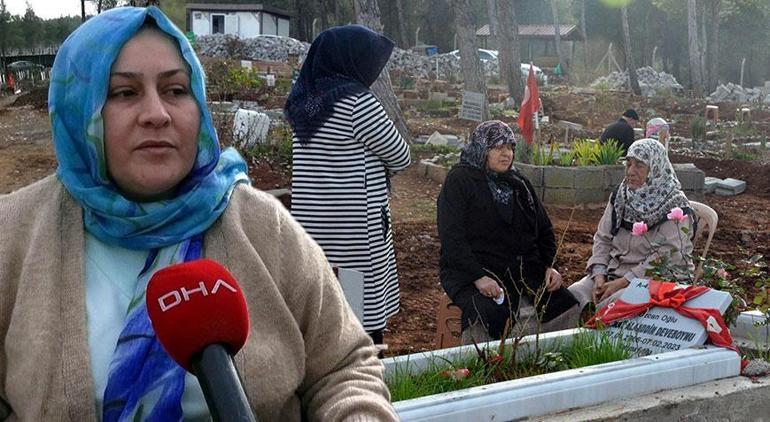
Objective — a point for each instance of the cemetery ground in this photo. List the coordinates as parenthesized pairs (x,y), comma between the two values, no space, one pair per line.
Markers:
(26,155)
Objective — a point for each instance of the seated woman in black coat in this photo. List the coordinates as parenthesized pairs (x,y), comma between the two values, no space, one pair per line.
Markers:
(496,239)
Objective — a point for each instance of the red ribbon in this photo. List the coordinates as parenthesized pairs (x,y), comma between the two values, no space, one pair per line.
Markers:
(669,295)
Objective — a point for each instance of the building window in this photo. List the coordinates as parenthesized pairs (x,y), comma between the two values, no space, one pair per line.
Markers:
(217,24)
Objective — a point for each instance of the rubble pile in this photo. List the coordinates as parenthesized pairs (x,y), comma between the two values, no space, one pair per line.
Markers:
(275,48)
(651,81)
(739,94)
(263,47)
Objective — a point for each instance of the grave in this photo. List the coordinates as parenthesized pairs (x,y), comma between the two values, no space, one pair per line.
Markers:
(710,184)
(730,187)
(473,106)
(250,127)
(663,329)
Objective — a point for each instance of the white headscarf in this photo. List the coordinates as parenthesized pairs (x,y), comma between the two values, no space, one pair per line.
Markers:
(658,195)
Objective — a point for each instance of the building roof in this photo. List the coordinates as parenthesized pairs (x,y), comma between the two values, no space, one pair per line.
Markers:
(543,32)
(235,6)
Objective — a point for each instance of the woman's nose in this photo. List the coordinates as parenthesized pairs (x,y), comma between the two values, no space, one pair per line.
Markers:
(154,111)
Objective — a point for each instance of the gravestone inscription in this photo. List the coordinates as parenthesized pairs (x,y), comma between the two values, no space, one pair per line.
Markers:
(472,107)
(663,329)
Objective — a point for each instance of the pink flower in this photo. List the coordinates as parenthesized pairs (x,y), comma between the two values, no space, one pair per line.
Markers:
(639,228)
(457,374)
(677,215)
(722,273)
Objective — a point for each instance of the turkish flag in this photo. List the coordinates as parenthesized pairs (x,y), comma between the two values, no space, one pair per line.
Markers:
(529,106)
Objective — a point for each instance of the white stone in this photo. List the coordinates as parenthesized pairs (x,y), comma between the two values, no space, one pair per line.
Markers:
(734,185)
(250,127)
(472,106)
(664,329)
(710,184)
(436,139)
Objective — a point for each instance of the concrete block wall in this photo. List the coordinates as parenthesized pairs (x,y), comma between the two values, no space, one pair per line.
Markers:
(582,185)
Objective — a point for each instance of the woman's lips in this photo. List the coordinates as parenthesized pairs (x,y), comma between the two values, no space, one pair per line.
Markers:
(154,145)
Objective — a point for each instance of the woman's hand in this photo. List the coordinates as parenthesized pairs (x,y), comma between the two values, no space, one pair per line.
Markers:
(610,287)
(488,287)
(553,279)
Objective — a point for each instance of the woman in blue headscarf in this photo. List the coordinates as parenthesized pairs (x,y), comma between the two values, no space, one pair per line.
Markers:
(142,184)
(345,150)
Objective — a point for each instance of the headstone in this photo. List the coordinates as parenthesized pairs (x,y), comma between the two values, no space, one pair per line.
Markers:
(733,186)
(246,64)
(472,107)
(250,127)
(436,139)
(662,329)
(352,283)
(710,184)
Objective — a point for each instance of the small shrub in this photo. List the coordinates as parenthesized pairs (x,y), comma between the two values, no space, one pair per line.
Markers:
(585,152)
(566,159)
(523,152)
(609,153)
(541,157)
(698,128)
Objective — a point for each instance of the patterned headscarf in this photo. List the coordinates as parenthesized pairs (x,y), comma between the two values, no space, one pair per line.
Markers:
(655,127)
(657,196)
(485,137)
(79,85)
(342,61)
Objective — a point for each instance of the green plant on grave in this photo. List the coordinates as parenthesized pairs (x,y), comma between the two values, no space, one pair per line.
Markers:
(697,129)
(609,153)
(541,156)
(566,159)
(585,152)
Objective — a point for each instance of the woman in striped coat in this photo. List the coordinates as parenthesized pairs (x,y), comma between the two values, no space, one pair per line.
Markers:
(345,150)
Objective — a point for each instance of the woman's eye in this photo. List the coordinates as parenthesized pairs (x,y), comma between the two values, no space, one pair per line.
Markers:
(177,90)
(122,93)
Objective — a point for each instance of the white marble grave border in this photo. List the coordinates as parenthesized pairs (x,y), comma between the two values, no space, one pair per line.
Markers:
(559,391)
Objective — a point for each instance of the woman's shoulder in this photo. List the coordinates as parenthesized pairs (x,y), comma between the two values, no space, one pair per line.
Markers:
(21,203)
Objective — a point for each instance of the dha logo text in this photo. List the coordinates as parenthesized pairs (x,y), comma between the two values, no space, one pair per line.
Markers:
(176,297)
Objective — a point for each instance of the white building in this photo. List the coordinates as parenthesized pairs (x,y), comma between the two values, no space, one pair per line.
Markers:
(242,18)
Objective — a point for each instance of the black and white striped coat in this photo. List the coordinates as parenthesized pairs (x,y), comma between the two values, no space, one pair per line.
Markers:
(340,196)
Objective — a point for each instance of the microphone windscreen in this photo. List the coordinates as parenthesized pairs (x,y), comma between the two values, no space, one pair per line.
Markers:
(196,304)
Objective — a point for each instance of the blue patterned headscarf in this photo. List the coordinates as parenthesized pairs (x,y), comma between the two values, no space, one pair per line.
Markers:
(79,85)
(342,61)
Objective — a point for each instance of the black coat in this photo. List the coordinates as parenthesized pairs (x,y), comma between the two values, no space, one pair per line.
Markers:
(475,237)
(621,131)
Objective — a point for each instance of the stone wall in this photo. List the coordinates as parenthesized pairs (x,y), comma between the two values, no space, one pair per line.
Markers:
(581,185)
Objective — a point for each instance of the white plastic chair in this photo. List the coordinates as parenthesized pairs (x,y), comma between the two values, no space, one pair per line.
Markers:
(707,218)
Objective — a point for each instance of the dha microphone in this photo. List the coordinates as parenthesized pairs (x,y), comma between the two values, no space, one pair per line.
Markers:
(200,318)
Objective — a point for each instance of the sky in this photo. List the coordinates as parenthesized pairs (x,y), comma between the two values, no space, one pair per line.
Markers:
(49,9)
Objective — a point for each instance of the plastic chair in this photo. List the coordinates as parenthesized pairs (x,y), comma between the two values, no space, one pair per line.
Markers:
(707,217)
(448,324)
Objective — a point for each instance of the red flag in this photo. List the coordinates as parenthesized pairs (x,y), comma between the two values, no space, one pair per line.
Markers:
(529,106)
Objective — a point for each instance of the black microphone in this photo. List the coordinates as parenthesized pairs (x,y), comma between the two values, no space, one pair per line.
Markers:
(199,315)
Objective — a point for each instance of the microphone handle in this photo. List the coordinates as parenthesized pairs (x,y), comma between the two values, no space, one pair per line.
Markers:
(221,385)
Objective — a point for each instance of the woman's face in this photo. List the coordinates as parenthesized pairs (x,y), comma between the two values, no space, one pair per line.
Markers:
(500,158)
(151,119)
(636,173)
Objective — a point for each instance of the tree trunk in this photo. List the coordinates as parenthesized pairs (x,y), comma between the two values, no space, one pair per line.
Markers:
(696,74)
(509,56)
(494,23)
(368,13)
(82,10)
(337,14)
(324,15)
(584,34)
(630,65)
(301,24)
(713,45)
(470,63)
(402,31)
(557,39)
